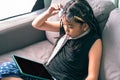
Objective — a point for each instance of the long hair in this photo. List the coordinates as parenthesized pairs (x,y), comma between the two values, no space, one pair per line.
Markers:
(81,12)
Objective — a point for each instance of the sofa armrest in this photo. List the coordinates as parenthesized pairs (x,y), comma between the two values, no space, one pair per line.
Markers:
(17,32)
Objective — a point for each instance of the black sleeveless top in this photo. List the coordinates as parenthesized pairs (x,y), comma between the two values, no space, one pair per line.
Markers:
(71,62)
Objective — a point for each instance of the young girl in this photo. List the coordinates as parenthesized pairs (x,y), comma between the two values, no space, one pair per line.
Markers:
(77,53)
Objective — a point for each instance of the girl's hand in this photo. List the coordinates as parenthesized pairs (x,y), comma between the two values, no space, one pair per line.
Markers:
(54,9)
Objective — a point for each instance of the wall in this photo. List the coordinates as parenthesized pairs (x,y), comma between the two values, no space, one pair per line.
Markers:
(47,3)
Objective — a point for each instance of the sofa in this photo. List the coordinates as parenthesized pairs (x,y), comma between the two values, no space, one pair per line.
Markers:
(18,37)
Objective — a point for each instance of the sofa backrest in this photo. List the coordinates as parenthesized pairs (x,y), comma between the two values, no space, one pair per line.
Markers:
(110,65)
(17,32)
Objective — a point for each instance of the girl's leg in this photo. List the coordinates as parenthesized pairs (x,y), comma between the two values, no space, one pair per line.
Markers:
(11,78)
(9,71)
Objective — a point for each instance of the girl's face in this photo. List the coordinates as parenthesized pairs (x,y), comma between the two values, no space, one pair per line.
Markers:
(72,28)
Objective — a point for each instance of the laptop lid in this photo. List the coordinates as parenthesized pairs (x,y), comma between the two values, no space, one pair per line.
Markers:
(31,68)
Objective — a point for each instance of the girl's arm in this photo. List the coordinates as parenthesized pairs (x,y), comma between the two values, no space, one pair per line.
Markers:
(41,22)
(94,60)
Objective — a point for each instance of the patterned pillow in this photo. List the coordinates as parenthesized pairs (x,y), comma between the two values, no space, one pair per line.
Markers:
(101,10)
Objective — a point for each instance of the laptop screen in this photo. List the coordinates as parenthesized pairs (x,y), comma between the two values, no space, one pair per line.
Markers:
(32,68)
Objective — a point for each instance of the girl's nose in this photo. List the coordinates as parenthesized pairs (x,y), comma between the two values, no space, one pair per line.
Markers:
(66,29)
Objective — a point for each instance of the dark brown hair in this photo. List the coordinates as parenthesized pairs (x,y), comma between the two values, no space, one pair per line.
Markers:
(83,10)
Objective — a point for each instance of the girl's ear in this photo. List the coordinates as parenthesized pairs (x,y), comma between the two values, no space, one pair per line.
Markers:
(85,27)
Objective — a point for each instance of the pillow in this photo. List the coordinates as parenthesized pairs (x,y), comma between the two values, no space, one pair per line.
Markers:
(52,36)
(100,8)
(110,65)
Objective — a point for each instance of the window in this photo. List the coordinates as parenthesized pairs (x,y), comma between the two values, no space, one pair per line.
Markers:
(10,8)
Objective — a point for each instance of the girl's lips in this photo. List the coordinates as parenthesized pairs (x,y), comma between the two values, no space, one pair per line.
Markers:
(68,35)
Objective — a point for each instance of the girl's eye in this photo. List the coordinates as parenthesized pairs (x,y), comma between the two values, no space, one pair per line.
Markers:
(70,26)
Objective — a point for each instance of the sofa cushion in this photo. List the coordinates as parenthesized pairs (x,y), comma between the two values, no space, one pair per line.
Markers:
(38,52)
(110,66)
(101,10)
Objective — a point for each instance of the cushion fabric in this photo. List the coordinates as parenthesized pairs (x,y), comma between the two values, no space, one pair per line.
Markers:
(38,52)
(11,29)
(101,10)
(110,66)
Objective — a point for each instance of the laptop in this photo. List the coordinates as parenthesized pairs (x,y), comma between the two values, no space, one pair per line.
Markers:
(32,69)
